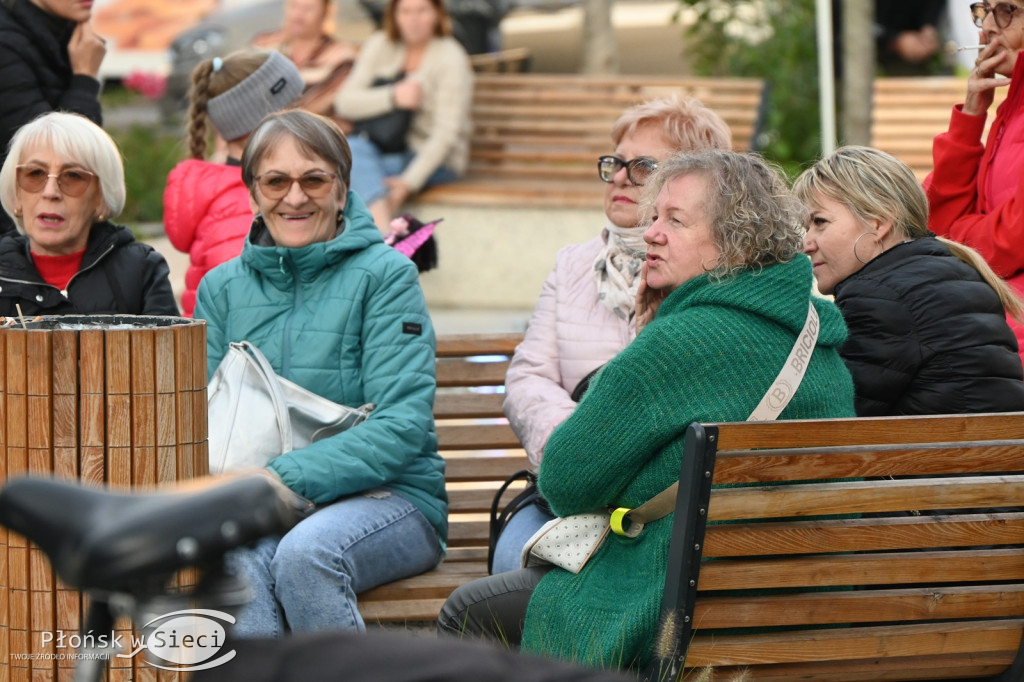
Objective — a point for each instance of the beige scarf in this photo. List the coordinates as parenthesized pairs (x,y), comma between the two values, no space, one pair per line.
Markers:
(617,268)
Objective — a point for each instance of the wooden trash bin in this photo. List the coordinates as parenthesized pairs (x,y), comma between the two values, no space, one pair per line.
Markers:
(110,400)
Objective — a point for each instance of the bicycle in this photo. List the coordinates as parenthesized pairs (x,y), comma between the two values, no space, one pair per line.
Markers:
(123,549)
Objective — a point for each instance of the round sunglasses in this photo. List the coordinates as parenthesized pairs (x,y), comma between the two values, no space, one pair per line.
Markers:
(315,184)
(637,170)
(1002,11)
(72,182)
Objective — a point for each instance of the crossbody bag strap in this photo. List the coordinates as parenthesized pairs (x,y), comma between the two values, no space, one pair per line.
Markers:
(771,406)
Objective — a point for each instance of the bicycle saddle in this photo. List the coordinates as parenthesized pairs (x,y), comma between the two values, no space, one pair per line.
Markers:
(103,540)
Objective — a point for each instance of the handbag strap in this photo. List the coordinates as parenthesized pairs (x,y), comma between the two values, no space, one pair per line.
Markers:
(269,377)
(771,406)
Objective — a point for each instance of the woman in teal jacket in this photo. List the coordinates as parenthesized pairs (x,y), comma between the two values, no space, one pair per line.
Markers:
(340,313)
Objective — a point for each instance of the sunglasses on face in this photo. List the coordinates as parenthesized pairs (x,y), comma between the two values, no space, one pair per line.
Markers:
(637,170)
(315,184)
(72,182)
(1002,11)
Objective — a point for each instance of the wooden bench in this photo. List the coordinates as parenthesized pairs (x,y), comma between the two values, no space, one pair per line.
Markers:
(907,114)
(512,60)
(536,137)
(480,452)
(933,591)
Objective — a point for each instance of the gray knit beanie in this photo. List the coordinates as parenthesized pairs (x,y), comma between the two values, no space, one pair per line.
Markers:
(272,87)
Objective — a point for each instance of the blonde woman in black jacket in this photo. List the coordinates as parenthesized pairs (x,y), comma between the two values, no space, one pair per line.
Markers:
(926,316)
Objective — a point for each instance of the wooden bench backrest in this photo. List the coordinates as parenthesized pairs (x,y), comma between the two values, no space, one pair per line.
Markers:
(908,113)
(512,60)
(823,560)
(536,137)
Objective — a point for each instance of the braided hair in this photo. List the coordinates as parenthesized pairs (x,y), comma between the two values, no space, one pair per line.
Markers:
(208,83)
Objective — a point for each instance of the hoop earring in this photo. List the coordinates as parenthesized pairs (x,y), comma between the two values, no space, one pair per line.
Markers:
(857,241)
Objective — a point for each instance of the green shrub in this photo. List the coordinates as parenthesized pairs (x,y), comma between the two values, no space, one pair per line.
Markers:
(150,152)
(771,39)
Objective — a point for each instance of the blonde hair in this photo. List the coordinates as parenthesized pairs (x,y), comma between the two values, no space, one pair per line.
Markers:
(75,138)
(754,219)
(684,121)
(875,185)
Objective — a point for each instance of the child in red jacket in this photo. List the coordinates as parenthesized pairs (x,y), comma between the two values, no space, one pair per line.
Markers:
(207,212)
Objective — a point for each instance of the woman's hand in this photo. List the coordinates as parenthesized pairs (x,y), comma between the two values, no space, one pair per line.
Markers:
(982,81)
(648,301)
(407,94)
(86,50)
(398,192)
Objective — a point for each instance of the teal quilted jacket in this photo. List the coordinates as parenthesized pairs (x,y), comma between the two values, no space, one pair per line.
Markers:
(345,319)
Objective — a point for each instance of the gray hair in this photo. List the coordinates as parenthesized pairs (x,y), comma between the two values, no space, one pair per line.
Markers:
(873,185)
(316,135)
(78,140)
(755,221)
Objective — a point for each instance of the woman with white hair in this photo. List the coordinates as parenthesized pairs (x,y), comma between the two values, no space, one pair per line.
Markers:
(62,182)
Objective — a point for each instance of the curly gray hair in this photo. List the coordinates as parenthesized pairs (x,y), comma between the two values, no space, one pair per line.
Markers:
(754,219)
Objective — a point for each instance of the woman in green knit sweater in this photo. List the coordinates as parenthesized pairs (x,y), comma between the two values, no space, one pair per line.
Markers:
(724,295)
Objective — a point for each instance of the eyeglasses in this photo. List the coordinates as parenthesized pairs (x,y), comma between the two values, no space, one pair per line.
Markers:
(71,181)
(1002,11)
(316,184)
(637,170)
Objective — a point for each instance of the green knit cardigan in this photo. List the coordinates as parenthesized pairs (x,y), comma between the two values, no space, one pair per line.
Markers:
(709,355)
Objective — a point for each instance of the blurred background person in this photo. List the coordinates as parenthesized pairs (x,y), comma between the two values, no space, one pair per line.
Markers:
(62,184)
(207,209)
(976,192)
(585,313)
(305,38)
(907,37)
(926,316)
(50,59)
(413,65)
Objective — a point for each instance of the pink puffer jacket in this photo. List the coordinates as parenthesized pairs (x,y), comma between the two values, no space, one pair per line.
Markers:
(571,334)
(206,215)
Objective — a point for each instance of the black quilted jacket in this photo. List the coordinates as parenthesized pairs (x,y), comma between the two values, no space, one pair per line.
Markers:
(35,73)
(118,276)
(927,336)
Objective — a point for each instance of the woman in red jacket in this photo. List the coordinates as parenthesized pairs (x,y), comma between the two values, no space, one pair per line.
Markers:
(207,208)
(976,192)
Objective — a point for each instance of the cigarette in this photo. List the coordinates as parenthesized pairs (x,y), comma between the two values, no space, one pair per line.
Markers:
(970,47)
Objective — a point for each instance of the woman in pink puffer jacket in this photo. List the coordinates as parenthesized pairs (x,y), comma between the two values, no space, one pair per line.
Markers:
(584,315)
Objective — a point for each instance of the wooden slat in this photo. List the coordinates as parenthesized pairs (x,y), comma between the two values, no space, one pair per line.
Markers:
(749,466)
(960,666)
(466,345)
(885,568)
(863,606)
(476,437)
(813,537)
(870,431)
(857,643)
(471,373)
(486,466)
(463,405)
(858,497)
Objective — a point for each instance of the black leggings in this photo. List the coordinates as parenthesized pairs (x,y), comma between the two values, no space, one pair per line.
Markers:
(491,608)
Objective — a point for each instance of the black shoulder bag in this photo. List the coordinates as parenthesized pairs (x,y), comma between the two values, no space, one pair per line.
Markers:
(528,495)
(387,131)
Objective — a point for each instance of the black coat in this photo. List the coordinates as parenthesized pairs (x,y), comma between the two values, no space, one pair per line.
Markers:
(118,276)
(35,73)
(927,336)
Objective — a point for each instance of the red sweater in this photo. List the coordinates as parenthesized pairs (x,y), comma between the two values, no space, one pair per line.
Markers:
(207,215)
(976,193)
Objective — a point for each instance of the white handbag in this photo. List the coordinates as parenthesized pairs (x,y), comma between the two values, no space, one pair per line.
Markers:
(256,415)
(569,542)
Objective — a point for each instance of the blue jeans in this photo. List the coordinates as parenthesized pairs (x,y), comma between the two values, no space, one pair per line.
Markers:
(370,167)
(508,549)
(309,578)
